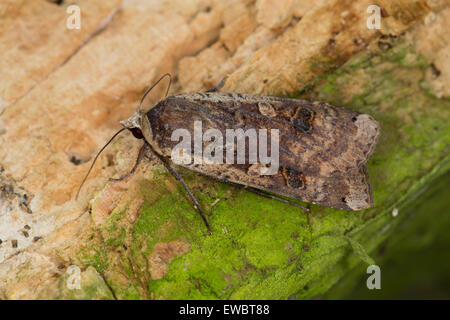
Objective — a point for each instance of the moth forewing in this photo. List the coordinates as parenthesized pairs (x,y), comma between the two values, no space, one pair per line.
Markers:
(315,135)
(341,191)
(322,148)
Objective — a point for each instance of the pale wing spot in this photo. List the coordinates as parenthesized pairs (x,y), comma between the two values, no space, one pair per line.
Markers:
(358,197)
(367,133)
(254,169)
(357,201)
(266,109)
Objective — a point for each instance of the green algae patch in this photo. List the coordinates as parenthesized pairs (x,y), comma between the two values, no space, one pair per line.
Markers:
(261,248)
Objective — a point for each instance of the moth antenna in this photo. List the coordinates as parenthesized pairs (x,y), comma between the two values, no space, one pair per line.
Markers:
(95,159)
(150,89)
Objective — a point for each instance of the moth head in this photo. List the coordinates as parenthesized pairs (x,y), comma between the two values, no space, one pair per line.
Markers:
(133,124)
(137,124)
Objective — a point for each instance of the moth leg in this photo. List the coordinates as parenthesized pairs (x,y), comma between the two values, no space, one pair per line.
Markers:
(138,160)
(180,178)
(219,86)
(271,196)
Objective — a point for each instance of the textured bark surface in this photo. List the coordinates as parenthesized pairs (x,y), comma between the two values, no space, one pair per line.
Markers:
(62,93)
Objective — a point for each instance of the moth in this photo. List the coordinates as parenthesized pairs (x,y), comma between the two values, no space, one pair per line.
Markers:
(322,149)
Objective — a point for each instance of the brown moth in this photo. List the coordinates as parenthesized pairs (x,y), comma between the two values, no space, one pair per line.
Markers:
(322,148)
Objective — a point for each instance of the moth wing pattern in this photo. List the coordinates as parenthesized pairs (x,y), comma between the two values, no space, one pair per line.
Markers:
(323,148)
(313,132)
(348,191)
